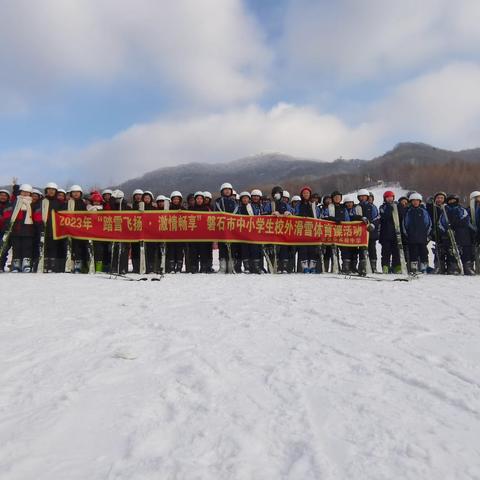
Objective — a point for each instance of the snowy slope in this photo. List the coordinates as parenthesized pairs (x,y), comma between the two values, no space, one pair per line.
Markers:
(239,377)
(379,190)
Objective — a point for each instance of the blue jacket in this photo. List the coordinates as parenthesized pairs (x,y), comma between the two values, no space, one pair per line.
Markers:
(417,225)
(339,213)
(370,211)
(305,209)
(226,204)
(280,207)
(387,226)
(256,209)
(460,223)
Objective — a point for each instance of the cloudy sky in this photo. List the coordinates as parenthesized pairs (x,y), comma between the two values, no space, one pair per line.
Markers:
(104,90)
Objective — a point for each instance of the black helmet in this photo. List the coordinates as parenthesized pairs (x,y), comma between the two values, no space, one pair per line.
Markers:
(335,192)
(452,196)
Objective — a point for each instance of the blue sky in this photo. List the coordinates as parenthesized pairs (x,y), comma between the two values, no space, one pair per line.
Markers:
(99,91)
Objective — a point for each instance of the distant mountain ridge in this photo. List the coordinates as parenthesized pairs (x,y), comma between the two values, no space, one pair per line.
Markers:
(416,166)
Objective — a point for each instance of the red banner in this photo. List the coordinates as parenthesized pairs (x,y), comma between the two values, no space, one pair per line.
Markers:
(187,226)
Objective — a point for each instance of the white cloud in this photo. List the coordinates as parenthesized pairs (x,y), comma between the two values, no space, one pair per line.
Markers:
(441,107)
(356,40)
(211,138)
(209,52)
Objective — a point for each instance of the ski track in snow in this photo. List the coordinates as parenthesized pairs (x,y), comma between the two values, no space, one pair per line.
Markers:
(239,377)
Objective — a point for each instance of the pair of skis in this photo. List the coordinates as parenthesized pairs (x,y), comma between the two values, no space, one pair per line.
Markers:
(453,241)
(476,246)
(8,232)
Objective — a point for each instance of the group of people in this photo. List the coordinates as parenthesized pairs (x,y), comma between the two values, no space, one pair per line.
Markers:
(403,227)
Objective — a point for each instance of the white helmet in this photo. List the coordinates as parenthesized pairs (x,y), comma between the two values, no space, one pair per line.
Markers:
(244,194)
(107,192)
(161,198)
(363,191)
(415,196)
(2,190)
(226,185)
(25,187)
(118,194)
(256,193)
(296,198)
(199,194)
(348,198)
(207,195)
(175,193)
(51,185)
(285,194)
(138,191)
(37,192)
(148,192)
(61,190)
(76,188)
(474,194)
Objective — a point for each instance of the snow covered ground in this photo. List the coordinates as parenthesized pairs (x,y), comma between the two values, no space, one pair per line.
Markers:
(239,377)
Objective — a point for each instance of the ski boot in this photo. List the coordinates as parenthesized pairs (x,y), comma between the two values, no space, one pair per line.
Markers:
(223,265)
(413,268)
(423,267)
(99,266)
(312,266)
(77,266)
(16,266)
(373,264)
(362,267)
(452,268)
(27,265)
(178,267)
(237,266)
(347,267)
(246,266)
(397,269)
(468,268)
(305,268)
(283,266)
(385,269)
(170,266)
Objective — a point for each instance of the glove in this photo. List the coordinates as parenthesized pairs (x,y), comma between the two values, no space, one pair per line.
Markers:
(276,213)
(365,220)
(287,213)
(371,227)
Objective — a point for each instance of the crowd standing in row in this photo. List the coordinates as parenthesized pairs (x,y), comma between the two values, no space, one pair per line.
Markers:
(442,220)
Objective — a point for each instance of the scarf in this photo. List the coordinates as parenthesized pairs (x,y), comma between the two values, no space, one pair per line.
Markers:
(27,208)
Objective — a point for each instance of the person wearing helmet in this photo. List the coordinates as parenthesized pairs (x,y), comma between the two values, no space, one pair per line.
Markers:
(251,254)
(228,253)
(55,250)
(175,250)
(279,254)
(387,236)
(100,248)
(370,211)
(25,228)
(136,198)
(37,195)
(117,261)
(79,247)
(199,253)
(4,203)
(62,196)
(417,226)
(440,254)
(151,248)
(350,255)
(336,212)
(208,199)
(294,202)
(463,229)
(474,212)
(307,254)
(371,197)
(108,200)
